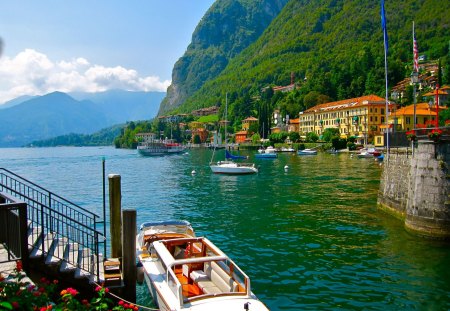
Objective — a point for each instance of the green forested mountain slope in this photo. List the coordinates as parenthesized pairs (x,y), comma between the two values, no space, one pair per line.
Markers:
(337,45)
(227,28)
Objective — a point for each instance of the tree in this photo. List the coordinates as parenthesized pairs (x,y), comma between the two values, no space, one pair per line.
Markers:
(197,139)
(312,137)
(294,136)
(329,134)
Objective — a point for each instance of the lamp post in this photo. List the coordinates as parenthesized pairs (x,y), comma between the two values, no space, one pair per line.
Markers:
(414,80)
(437,105)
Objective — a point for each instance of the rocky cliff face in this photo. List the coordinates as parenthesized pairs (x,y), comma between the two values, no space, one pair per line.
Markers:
(227,28)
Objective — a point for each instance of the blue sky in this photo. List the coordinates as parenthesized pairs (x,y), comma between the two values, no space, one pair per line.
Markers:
(86,45)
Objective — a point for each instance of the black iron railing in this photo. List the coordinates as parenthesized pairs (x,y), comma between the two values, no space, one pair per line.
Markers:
(55,219)
(13,229)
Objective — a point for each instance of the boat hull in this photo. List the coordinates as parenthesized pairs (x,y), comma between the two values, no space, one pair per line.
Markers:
(233,169)
(266,155)
(307,152)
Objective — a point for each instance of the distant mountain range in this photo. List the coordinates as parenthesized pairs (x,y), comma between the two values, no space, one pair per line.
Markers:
(27,120)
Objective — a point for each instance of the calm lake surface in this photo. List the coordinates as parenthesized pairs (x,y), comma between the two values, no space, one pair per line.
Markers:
(309,238)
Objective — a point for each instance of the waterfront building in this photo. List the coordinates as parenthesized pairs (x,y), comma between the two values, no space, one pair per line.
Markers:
(425,116)
(361,117)
(241,137)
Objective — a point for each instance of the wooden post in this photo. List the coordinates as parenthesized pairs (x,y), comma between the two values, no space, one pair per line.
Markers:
(129,254)
(115,206)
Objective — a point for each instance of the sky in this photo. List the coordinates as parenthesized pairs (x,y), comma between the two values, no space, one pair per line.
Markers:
(92,46)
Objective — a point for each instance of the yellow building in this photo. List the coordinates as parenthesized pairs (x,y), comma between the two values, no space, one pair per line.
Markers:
(425,116)
(246,123)
(361,117)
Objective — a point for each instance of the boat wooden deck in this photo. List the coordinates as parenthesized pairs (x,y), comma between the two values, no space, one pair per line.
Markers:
(189,290)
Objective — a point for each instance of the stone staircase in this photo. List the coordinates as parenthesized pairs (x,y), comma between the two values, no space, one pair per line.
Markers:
(65,256)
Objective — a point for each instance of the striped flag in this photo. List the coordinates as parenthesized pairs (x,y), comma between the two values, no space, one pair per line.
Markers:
(415,52)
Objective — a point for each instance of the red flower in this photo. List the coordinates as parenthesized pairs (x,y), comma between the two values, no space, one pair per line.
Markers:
(19,266)
(15,304)
(55,281)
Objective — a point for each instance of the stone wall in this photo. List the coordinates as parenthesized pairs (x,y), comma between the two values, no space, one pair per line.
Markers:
(392,196)
(416,188)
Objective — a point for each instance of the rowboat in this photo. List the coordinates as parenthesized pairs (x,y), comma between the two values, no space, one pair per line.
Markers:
(184,272)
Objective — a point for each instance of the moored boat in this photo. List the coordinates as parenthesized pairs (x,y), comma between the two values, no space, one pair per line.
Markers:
(191,273)
(159,147)
(268,153)
(231,167)
(307,152)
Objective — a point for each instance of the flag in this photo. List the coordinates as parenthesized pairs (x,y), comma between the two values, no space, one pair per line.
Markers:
(415,52)
(383,24)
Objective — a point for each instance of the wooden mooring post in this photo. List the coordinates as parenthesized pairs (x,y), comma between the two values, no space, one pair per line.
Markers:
(129,254)
(115,206)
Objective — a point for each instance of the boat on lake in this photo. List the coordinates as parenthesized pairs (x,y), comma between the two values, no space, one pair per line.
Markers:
(268,153)
(369,153)
(229,166)
(184,272)
(158,147)
(287,149)
(307,152)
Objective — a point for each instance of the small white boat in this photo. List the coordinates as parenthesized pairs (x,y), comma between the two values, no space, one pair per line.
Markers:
(289,149)
(234,168)
(268,153)
(191,273)
(307,152)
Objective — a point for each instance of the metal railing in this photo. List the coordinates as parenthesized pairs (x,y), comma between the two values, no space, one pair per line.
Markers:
(55,219)
(13,224)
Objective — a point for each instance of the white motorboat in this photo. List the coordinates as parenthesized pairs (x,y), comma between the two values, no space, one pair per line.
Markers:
(191,273)
(287,149)
(269,152)
(307,152)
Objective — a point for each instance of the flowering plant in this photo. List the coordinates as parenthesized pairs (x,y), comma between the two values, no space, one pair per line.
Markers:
(411,135)
(16,293)
(435,134)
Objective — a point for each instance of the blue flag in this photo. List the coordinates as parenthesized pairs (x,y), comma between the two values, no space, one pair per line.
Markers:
(383,24)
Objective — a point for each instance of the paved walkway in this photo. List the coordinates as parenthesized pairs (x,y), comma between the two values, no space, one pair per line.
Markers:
(7,268)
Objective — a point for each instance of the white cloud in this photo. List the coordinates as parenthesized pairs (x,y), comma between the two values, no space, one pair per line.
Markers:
(33,73)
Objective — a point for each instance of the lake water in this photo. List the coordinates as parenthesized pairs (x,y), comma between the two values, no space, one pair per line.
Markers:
(310,237)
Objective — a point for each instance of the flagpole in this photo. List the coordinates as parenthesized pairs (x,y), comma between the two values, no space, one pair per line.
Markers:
(383,22)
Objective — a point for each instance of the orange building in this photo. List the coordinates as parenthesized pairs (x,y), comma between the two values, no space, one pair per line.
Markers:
(241,136)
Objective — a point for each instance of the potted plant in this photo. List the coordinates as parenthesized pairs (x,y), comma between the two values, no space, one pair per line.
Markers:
(435,134)
(411,135)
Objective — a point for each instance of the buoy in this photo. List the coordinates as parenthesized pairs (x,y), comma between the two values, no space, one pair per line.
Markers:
(286,167)
(193,172)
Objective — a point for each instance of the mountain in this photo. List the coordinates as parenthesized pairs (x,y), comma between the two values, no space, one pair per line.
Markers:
(227,28)
(333,47)
(58,114)
(104,137)
(120,106)
(47,116)
(16,101)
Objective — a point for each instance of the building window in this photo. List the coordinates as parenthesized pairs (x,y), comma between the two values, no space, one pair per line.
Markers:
(382,119)
(382,111)
(376,119)
(376,110)
(408,120)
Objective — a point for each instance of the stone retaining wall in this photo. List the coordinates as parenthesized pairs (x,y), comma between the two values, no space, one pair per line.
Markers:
(416,189)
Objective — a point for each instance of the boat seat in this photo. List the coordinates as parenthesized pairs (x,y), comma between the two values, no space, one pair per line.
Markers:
(214,279)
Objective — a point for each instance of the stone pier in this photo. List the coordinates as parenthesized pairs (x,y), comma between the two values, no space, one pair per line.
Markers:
(415,188)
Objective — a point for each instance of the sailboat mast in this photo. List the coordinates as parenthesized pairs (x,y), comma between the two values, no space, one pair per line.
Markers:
(226,118)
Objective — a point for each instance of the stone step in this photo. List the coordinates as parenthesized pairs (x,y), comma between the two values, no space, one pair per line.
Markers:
(40,248)
(70,260)
(56,252)
(34,233)
(84,264)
